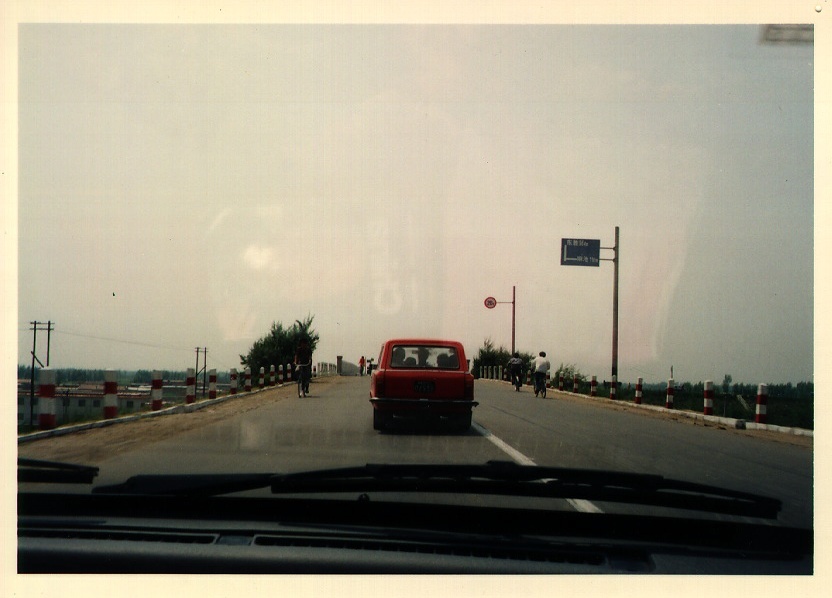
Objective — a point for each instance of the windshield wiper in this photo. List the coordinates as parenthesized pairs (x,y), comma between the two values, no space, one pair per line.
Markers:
(499,478)
(189,484)
(511,479)
(52,472)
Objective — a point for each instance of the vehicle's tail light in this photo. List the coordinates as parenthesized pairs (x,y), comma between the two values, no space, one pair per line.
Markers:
(377,386)
(469,386)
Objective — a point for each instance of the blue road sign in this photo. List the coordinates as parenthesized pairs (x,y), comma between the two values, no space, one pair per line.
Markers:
(580,252)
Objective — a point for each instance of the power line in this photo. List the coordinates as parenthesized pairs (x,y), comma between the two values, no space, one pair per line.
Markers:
(125,342)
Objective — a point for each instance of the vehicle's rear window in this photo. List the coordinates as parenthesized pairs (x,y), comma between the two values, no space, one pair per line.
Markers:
(422,356)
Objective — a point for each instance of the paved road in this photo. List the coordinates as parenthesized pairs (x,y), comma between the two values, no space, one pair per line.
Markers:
(333,427)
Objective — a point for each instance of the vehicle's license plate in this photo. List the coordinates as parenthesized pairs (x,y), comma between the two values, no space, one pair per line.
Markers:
(423,386)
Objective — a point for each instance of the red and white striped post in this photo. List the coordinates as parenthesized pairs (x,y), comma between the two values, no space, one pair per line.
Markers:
(280,373)
(287,372)
(668,403)
(593,387)
(560,382)
(709,398)
(212,384)
(47,419)
(314,371)
(548,379)
(614,388)
(248,380)
(271,375)
(639,389)
(262,377)
(190,386)
(232,378)
(156,391)
(575,384)
(762,404)
(110,394)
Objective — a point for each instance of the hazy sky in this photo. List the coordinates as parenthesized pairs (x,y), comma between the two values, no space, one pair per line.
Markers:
(188,185)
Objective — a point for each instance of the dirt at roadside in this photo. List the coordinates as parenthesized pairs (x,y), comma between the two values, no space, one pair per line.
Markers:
(94,445)
(675,416)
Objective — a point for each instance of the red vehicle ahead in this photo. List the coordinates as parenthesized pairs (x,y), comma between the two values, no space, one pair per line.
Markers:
(422,378)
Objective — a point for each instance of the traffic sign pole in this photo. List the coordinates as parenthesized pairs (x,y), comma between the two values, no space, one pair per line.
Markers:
(615,309)
(585,252)
(513,304)
(491,303)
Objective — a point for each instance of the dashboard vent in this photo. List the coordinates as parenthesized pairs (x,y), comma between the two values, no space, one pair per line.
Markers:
(553,554)
(118,535)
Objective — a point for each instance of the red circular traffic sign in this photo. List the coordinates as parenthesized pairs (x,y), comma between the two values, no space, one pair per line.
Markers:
(490,302)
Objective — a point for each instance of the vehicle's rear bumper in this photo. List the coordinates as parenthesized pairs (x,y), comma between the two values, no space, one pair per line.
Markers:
(437,406)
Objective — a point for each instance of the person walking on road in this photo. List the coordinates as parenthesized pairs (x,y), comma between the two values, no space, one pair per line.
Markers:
(540,367)
(515,368)
(361,364)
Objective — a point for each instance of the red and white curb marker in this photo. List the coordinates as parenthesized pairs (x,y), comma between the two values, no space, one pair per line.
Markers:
(614,388)
(46,399)
(287,371)
(548,379)
(156,391)
(560,382)
(593,387)
(639,389)
(314,371)
(190,386)
(262,378)
(280,375)
(232,379)
(212,384)
(575,384)
(248,380)
(110,394)
(271,375)
(709,398)
(670,390)
(762,404)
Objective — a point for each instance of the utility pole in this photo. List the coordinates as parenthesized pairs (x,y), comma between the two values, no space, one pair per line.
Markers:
(204,370)
(35,329)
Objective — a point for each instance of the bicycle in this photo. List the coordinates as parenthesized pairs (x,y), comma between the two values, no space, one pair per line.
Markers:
(517,380)
(540,386)
(302,373)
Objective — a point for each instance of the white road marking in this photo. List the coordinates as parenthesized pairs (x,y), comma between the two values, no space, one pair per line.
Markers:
(579,504)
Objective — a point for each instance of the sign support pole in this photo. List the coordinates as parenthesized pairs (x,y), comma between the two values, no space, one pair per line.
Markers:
(585,252)
(615,309)
(513,304)
(491,303)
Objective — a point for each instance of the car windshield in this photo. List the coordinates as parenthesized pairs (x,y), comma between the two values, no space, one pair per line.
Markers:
(247,251)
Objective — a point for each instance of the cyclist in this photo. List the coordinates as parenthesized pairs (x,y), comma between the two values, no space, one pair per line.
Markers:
(303,363)
(540,367)
(515,368)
